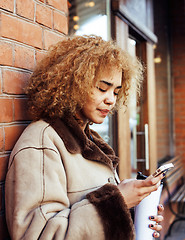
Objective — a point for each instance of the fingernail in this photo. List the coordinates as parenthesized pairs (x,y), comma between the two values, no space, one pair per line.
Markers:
(161,206)
(151,225)
(151,217)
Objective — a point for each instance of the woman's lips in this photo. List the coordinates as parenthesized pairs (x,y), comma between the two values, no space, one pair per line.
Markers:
(104,112)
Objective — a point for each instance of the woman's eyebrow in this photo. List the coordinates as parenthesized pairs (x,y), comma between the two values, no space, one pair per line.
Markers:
(109,84)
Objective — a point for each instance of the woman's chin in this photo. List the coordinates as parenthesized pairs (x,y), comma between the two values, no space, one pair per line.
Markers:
(98,121)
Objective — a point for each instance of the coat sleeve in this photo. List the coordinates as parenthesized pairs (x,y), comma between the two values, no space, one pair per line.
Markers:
(37,205)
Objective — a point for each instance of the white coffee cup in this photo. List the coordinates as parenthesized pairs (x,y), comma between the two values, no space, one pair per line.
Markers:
(146,208)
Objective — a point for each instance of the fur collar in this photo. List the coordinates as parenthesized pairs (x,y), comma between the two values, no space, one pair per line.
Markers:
(76,141)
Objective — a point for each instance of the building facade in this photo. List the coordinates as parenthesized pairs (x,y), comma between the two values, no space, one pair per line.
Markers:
(149,130)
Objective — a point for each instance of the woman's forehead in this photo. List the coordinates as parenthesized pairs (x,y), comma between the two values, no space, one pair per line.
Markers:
(108,72)
(112,76)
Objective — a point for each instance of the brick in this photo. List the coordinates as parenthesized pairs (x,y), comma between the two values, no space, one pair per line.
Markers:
(58,4)
(20,30)
(6,110)
(12,133)
(20,109)
(14,82)
(39,55)
(6,54)
(3,167)
(60,22)
(25,8)
(44,15)
(24,57)
(51,38)
(7,5)
(1,139)
(0,81)
(178,66)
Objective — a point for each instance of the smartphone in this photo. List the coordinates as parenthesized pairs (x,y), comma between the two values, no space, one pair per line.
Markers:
(163,169)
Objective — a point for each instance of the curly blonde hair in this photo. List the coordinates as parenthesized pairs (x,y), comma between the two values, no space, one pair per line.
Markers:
(64,78)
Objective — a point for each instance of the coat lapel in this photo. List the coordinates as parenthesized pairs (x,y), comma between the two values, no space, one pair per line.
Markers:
(89,144)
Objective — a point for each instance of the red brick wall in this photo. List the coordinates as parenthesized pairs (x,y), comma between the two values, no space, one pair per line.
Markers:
(170,15)
(178,70)
(28,28)
(161,72)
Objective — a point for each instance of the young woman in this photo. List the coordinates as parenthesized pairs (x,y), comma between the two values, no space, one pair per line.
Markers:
(61,180)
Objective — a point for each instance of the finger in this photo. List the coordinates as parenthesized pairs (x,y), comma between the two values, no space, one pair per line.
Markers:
(146,187)
(160,208)
(159,177)
(147,183)
(156,235)
(149,189)
(156,219)
(151,181)
(155,227)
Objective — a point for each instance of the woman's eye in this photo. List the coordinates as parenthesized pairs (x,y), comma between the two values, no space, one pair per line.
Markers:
(116,92)
(101,89)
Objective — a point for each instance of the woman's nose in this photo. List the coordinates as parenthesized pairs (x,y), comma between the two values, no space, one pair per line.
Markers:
(110,98)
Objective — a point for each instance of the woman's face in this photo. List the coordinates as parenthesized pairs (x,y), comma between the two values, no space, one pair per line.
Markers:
(103,96)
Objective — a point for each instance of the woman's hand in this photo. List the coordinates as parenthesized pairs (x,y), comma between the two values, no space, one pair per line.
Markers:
(134,190)
(157,219)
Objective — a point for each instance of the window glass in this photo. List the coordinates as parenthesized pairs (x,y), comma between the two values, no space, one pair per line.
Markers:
(89,17)
(92,17)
